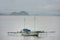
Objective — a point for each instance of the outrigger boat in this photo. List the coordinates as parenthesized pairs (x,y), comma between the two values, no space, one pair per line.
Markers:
(27,32)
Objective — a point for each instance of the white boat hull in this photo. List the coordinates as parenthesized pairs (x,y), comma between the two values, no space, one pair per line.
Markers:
(30,34)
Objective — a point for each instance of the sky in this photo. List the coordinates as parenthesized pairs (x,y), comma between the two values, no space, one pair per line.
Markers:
(31,6)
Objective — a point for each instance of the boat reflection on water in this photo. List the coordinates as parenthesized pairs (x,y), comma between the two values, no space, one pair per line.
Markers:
(40,37)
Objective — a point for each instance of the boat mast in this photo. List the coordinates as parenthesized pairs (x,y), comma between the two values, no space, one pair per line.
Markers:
(34,22)
(24,22)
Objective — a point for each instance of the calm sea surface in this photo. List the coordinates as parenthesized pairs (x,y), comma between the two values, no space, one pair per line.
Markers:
(16,23)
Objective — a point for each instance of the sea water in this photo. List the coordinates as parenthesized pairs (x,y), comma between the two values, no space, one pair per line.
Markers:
(42,23)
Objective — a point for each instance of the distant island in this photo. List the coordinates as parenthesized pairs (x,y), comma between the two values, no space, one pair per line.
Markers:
(19,13)
(24,13)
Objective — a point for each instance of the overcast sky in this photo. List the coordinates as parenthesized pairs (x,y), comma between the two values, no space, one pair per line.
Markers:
(31,6)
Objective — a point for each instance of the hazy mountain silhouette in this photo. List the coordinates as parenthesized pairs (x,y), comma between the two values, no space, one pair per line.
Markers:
(2,14)
(19,13)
